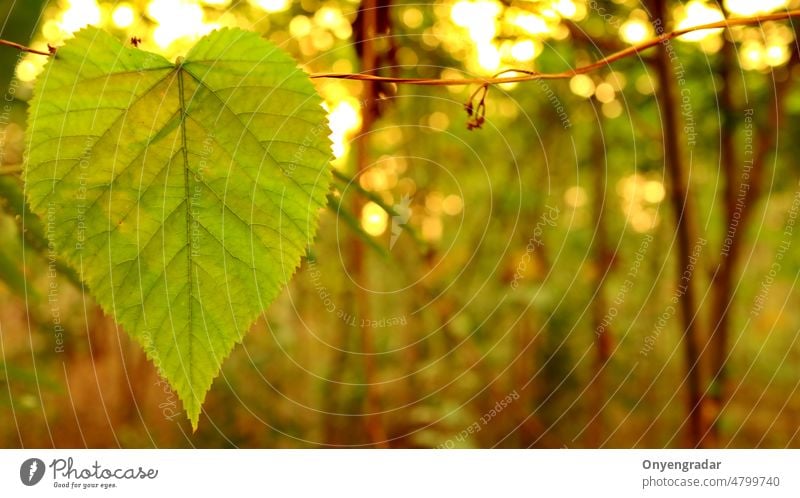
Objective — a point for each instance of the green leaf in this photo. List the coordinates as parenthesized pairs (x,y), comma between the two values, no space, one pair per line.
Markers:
(184,194)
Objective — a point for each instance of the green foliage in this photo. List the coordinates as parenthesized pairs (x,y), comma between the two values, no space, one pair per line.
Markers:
(183,194)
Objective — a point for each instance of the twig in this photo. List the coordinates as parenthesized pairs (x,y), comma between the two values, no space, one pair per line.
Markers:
(533,75)
(50,49)
(527,75)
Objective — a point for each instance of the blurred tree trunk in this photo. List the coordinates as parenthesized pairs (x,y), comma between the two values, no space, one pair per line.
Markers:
(721,288)
(365,42)
(683,210)
(741,192)
(602,266)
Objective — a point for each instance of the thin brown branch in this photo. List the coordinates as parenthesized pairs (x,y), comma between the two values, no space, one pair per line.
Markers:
(601,63)
(527,75)
(23,48)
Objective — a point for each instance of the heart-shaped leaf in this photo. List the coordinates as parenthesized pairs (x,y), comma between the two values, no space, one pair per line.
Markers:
(184,194)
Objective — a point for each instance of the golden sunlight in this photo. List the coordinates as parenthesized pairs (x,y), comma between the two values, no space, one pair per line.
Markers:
(79,13)
(374,219)
(123,15)
(344,119)
(695,13)
(752,8)
(635,31)
(177,19)
(272,5)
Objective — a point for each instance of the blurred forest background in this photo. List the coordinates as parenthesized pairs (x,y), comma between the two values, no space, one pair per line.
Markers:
(609,262)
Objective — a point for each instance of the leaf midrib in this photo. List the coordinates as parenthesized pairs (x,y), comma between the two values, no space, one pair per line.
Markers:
(189,280)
